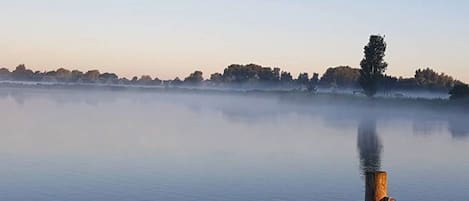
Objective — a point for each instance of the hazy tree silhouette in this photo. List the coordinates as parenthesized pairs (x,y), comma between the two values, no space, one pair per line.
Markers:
(251,75)
(194,78)
(459,91)
(286,77)
(108,78)
(428,78)
(373,65)
(134,80)
(91,76)
(340,77)
(276,74)
(76,75)
(157,81)
(369,146)
(303,79)
(63,75)
(313,82)
(176,81)
(216,78)
(236,73)
(4,73)
(22,73)
(145,80)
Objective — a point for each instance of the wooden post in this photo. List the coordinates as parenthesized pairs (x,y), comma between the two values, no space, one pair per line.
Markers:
(376,186)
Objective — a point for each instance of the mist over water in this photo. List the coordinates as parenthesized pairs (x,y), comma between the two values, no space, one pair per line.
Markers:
(104,145)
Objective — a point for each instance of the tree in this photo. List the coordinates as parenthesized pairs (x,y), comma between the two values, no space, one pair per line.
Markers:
(286,77)
(63,75)
(236,73)
(4,74)
(459,91)
(216,78)
(241,73)
(276,74)
(341,77)
(156,81)
(429,79)
(373,65)
(91,76)
(145,80)
(303,79)
(313,82)
(49,76)
(194,78)
(37,76)
(123,81)
(176,81)
(134,80)
(265,74)
(22,73)
(108,78)
(76,75)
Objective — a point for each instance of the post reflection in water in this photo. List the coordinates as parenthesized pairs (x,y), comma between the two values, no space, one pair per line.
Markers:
(369,146)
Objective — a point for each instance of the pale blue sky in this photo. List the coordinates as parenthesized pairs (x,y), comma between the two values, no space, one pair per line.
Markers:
(173,38)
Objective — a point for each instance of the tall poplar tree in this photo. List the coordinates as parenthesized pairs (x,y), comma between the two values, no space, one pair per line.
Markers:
(373,65)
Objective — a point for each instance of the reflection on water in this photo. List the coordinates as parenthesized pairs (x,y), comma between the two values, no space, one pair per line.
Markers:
(369,146)
(424,127)
(459,128)
(126,146)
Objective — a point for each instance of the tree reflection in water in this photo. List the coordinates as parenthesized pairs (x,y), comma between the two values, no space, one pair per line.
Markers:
(369,146)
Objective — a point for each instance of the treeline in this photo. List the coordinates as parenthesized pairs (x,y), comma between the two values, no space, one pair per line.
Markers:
(256,75)
(341,77)
(21,73)
(250,75)
(424,79)
(233,75)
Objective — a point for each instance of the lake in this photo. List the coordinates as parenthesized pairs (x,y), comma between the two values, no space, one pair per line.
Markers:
(128,146)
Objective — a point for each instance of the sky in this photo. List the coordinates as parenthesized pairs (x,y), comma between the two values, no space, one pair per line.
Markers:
(173,38)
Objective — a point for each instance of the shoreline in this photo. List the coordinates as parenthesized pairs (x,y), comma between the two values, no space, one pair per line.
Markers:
(294,96)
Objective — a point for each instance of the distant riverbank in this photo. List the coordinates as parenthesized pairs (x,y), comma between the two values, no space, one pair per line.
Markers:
(296,95)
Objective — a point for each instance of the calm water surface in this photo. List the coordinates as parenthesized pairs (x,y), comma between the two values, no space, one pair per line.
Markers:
(95,146)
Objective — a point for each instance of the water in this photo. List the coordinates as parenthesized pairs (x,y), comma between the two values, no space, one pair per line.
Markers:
(87,146)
